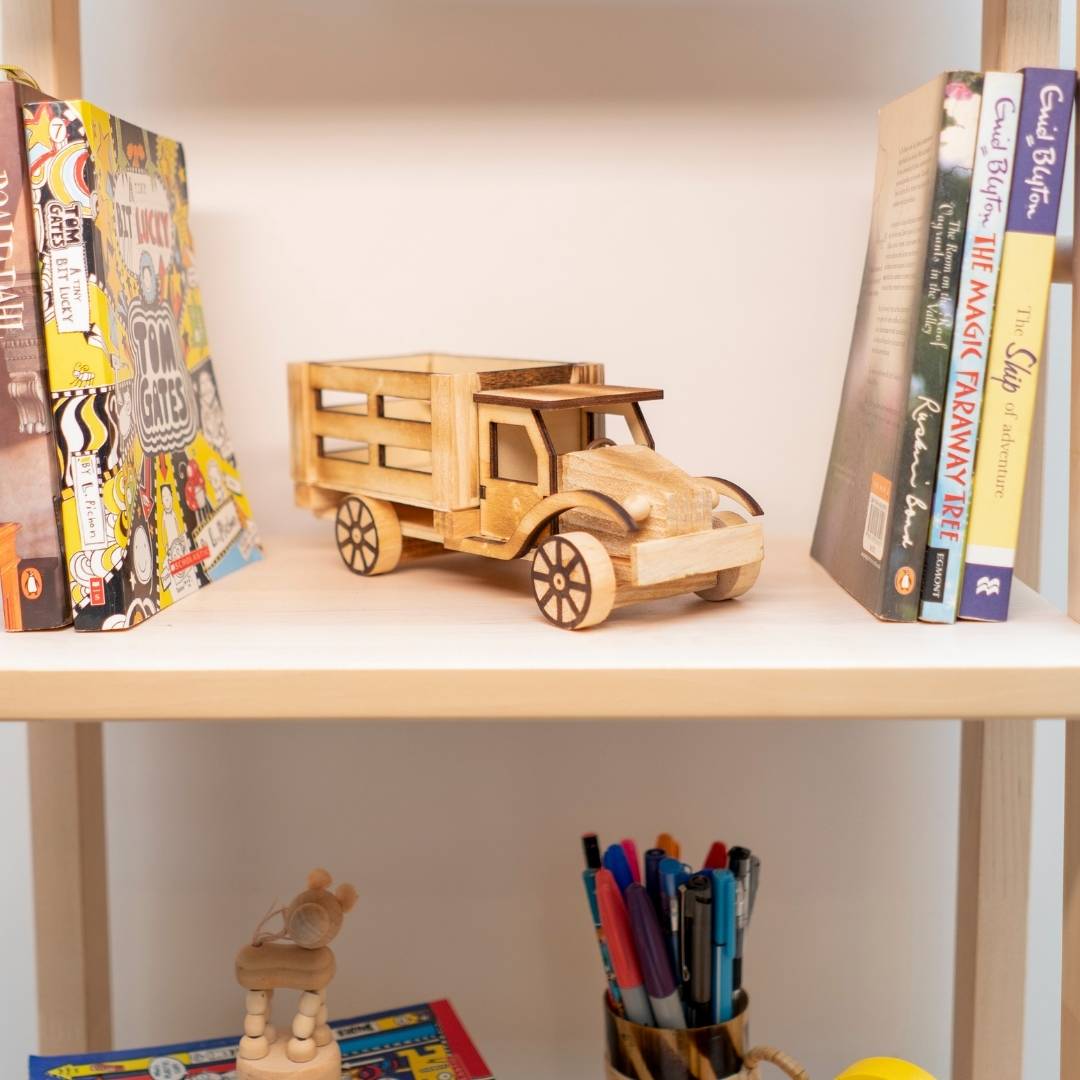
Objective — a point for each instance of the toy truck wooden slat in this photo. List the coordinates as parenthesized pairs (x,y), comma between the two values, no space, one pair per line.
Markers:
(505,458)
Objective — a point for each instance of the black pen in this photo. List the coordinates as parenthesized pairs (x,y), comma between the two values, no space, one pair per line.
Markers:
(740,860)
(696,939)
(591,847)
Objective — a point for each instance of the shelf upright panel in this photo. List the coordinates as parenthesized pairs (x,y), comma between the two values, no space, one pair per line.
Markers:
(1070,956)
(65,759)
(997,756)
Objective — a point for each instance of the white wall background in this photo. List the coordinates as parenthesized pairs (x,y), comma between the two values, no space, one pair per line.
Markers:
(677,189)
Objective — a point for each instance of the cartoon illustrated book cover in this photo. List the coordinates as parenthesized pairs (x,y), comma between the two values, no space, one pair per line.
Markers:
(33,581)
(1016,343)
(151,502)
(874,516)
(991,184)
(420,1042)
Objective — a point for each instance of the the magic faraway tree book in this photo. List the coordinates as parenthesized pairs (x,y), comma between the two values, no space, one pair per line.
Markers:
(151,500)
(875,510)
(421,1042)
(33,582)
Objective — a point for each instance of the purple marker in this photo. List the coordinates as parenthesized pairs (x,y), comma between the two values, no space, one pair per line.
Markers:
(653,958)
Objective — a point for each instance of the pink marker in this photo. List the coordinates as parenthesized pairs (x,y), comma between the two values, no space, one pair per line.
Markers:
(632,858)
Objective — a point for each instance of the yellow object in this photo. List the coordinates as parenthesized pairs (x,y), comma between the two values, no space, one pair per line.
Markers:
(884,1069)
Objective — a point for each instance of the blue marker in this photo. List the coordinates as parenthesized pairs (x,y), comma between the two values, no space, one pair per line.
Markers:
(724,903)
(616,861)
(589,877)
(673,875)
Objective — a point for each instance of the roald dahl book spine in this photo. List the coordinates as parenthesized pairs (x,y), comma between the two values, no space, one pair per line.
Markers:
(933,334)
(1016,343)
(991,184)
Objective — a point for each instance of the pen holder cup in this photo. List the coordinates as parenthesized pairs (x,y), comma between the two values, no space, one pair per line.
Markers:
(716,1052)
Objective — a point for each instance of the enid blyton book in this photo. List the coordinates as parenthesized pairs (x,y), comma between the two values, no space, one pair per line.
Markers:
(33,583)
(151,500)
(991,183)
(875,510)
(421,1042)
(1016,343)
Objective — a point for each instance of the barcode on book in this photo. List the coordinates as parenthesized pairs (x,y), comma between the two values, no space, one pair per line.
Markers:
(877,516)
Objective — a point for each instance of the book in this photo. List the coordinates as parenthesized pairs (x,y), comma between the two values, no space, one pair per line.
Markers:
(420,1042)
(151,501)
(874,516)
(33,581)
(991,184)
(1016,343)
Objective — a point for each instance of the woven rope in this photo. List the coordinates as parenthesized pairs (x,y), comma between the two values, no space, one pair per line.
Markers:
(774,1057)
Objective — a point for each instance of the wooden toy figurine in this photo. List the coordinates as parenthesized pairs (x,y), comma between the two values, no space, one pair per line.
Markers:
(416,455)
(297,957)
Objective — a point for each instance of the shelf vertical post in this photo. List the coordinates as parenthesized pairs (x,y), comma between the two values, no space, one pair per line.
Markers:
(67,808)
(67,820)
(1070,938)
(997,757)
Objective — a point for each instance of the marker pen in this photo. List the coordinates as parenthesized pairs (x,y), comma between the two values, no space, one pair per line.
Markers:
(616,924)
(653,958)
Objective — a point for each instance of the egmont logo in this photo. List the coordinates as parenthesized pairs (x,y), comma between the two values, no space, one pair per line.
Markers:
(988,586)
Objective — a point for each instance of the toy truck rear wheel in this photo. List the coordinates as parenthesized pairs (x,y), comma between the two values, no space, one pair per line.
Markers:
(368,535)
(736,580)
(573,580)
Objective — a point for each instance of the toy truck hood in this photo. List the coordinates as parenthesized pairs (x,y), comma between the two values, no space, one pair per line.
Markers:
(680,503)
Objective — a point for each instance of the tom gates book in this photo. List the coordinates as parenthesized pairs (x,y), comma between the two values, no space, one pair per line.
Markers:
(151,502)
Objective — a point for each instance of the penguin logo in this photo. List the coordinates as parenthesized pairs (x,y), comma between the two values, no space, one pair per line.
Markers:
(30,583)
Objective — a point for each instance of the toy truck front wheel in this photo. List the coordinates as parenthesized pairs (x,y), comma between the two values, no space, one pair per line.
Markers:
(368,535)
(738,579)
(573,580)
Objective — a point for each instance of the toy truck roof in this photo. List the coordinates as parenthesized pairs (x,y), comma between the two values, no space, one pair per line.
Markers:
(443,364)
(567,395)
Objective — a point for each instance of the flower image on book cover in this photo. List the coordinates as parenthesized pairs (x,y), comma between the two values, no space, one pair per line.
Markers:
(419,1042)
(152,505)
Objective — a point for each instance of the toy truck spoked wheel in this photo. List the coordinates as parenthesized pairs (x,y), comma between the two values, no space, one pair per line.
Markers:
(368,535)
(573,580)
(736,580)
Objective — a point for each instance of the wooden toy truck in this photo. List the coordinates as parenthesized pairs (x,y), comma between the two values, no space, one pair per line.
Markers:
(507,458)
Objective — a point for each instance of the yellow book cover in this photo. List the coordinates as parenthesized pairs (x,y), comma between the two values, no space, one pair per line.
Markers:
(152,505)
(1016,343)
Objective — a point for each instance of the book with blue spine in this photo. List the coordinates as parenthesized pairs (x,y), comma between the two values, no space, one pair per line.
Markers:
(1016,343)
(991,185)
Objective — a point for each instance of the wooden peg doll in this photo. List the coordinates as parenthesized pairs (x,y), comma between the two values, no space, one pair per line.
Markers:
(297,957)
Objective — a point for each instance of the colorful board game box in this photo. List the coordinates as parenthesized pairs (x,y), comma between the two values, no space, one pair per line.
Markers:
(151,502)
(33,582)
(421,1042)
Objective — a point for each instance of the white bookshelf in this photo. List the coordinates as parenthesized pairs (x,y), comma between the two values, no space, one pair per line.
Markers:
(460,638)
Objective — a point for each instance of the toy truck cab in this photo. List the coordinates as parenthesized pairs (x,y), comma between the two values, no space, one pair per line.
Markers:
(527,434)
(510,458)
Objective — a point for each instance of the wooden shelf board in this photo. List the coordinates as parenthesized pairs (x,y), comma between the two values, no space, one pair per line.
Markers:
(298,637)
